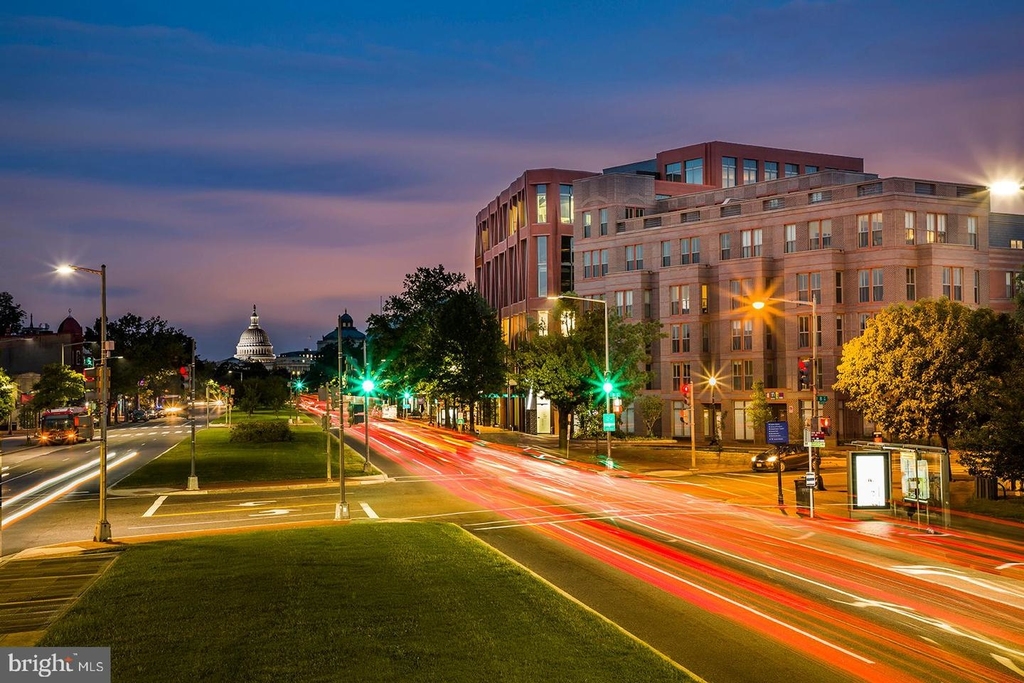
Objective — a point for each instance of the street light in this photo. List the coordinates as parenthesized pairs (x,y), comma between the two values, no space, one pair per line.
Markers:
(758,305)
(341,509)
(67,346)
(713,382)
(606,386)
(1006,187)
(368,386)
(102,532)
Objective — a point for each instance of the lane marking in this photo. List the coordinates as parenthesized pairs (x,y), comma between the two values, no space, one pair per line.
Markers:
(154,506)
(369,511)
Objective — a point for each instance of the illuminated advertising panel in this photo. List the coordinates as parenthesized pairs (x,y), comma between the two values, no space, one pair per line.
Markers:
(870,479)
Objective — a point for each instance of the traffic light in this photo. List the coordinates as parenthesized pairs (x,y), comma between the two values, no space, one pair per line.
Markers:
(616,405)
(607,387)
(87,362)
(686,394)
(804,381)
(368,385)
(825,425)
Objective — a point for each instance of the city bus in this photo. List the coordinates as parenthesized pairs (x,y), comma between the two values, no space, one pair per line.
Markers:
(66,425)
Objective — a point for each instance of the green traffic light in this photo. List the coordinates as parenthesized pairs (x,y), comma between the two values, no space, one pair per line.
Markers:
(368,385)
(608,387)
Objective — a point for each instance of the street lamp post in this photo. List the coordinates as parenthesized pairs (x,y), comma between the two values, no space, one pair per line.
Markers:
(813,376)
(607,369)
(193,480)
(102,532)
(713,382)
(367,390)
(341,509)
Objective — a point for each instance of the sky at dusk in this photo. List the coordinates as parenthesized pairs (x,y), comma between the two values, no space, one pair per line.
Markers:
(306,156)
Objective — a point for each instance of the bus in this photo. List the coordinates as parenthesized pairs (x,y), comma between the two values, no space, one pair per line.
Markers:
(66,425)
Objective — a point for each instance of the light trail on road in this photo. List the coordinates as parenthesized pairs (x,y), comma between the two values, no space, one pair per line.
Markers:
(893,606)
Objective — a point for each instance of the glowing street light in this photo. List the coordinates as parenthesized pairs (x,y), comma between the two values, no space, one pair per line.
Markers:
(1005,187)
(102,533)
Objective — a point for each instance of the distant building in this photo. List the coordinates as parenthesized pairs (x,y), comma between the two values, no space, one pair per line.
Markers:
(296,363)
(349,334)
(254,344)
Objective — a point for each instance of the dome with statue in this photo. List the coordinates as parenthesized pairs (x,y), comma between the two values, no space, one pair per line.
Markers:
(254,344)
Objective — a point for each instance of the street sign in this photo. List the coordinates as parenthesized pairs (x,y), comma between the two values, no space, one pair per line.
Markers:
(822,399)
(777,432)
(609,422)
(810,480)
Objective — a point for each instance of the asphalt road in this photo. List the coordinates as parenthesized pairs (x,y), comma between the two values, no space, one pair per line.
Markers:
(705,568)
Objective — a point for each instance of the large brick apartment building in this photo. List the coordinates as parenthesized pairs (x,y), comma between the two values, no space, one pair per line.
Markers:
(692,237)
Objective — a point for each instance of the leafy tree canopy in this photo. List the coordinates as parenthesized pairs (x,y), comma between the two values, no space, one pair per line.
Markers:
(11,315)
(8,396)
(917,369)
(58,386)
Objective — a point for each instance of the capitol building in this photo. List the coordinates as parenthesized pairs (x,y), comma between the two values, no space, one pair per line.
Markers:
(254,344)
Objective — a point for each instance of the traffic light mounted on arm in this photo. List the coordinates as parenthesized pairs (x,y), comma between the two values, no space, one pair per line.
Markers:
(804,382)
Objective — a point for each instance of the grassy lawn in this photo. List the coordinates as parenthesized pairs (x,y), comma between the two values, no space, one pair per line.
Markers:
(365,602)
(1004,508)
(218,461)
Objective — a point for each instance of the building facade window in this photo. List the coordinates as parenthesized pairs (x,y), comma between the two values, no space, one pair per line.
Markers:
(864,285)
(803,331)
(911,284)
(1009,284)
(749,171)
(737,374)
(634,257)
(748,335)
(751,242)
(705,337)
(586,265)
(909,227)
(674,171)
(648,297)
(977,287)
(790,243)
(735,292)
(677,344)
(771,170)
(935,228)
(863,224)
(737,334)
(603,215)
(677,377)
(839,331)
(565,203)
(674,294)
(684,299)
(542,203)
(684,251)
(792,170)
(728,171)
(542,266)
(953,283)
(803,286)
(1016,244)
(877,284)
(820,234)
(705,295)
(864,318)
(839,286)
(724,241)
(586,223)
(810,169)
(972,231)
(695,171)
(816,287)
(666,254)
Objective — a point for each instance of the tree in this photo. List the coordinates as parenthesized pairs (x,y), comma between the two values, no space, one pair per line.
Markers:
(566,362)
(759,412)
(8,396)
(251,397)
(468,341)
(150,353)
(274,392)
(916,370)
(648,407)
(58,386)
(11,315)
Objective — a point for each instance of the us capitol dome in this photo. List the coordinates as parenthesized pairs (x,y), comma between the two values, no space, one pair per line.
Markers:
(254,344)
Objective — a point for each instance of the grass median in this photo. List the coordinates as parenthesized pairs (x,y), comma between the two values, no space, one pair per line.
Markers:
(221,461)
(367,602)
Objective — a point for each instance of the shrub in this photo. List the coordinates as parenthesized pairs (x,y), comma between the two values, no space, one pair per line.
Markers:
(261,431)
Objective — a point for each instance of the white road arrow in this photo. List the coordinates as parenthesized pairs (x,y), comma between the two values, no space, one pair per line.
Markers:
(255,503)
(271,513)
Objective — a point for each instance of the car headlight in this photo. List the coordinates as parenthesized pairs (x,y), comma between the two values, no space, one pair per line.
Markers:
(772,458)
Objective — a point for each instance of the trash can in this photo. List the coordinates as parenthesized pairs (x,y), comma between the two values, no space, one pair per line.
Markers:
(803,493)
(986,488)
(877,437)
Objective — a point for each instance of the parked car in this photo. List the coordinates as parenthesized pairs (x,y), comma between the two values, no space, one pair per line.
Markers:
(139,416)
(788,457)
